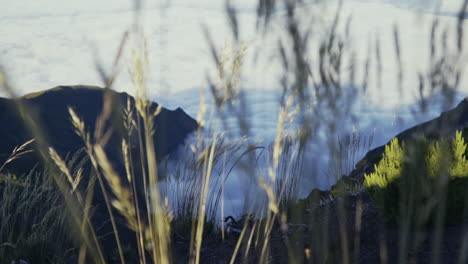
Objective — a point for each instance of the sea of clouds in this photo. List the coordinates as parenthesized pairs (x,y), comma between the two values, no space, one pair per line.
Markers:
(55,42)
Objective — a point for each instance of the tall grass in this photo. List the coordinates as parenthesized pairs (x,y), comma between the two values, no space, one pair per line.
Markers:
(317,98)
(34,222)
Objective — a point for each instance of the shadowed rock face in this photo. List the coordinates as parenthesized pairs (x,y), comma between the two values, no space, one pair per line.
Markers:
(443,126)
(49,111)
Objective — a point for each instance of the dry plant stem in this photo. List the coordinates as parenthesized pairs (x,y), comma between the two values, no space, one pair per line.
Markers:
(100,122)
(272,202)
(461,18)
(204,193)
(130,175)
(161,230)
(114,73)
(158,220)
(87,222)
(108,204)
(80,130)
(266,236)
(222,209)
(145,185)
(17,153)
(249,241)
(85,205)
(141,113)
(72,204)
(90,149)
(239,242)
(108,79)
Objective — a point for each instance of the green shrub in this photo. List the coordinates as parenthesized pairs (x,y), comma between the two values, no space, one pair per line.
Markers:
(417,180)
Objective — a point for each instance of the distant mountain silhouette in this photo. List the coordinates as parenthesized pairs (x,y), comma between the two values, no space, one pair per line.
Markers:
(49,111)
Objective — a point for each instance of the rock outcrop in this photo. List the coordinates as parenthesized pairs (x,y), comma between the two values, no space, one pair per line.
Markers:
(443,126)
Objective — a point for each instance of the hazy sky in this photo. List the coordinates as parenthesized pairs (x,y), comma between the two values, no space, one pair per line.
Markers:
(46,43)
(51,42)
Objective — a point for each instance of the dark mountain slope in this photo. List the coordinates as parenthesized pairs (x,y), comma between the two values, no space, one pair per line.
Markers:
(443,126)
(49,111)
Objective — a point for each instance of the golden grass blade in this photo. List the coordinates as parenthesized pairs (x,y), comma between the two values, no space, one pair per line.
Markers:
(239,242)
(17,153)
(62,166)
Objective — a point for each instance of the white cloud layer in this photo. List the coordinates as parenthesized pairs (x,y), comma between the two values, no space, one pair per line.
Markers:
(54,42)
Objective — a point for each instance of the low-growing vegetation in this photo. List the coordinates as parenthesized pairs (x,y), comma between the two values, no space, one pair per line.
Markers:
(34,221)
(422,178)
